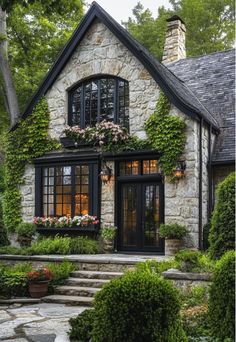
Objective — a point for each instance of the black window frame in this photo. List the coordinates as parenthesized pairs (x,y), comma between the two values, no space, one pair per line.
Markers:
(94,193)
(117,117)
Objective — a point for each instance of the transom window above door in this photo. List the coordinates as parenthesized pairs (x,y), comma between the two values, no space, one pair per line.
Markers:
(98,99)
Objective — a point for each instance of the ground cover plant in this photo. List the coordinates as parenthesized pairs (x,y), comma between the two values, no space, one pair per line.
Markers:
(14,280)
(57,245)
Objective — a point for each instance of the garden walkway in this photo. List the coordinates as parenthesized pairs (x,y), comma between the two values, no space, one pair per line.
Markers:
(36,323)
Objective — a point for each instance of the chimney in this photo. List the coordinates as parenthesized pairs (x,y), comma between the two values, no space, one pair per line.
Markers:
(174,48)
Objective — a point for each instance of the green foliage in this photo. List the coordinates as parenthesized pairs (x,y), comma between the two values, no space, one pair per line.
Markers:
(197,295)
(210,25)
(222,232)
(26,229)
(13,280)
(173,231)
(188,260)
(166,133)
(58,245)
(30,140)
(3,234)
(206,232)
(60,271)
(82,326)
(139,306)
(108,232)
(222,298)
(153,266)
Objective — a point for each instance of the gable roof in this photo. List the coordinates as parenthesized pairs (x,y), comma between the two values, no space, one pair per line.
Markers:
(212,79)
(175,89)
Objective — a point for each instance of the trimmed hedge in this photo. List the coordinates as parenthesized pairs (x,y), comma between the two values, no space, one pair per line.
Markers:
(222,299)
(222,232)
(138,307)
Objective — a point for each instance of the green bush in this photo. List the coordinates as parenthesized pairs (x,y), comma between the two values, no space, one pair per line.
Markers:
(26,229)
(197,295)
(3,234)
(173,231)
(138,307)
(206,232)
(188,260)
(222,298)
(82,326)
(222,232)
(83,245)
(60,271)
(153,266)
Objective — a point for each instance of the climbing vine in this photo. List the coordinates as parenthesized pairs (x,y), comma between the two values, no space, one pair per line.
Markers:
(29,140)
(166,133)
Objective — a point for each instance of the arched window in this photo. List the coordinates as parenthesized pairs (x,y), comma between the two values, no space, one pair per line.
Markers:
(98,99)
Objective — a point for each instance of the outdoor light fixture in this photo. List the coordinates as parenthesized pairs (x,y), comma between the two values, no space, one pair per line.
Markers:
(105,174)
(179,172)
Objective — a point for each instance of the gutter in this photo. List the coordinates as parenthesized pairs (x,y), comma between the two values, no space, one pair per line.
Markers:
(209,167)
(200,187)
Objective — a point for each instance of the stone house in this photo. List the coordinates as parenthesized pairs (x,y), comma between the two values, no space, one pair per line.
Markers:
(104,73)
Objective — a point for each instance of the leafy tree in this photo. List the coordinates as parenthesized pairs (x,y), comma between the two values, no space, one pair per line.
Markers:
(209,23)
(36,31)
(149,31)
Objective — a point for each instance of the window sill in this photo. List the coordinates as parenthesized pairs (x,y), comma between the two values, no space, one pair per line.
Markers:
(70,143)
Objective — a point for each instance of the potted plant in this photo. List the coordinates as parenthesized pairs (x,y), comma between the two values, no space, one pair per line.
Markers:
(173,234)
(38,282)
(108,233)
(25,232)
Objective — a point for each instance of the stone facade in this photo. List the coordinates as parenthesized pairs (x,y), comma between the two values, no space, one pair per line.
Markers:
(100,52)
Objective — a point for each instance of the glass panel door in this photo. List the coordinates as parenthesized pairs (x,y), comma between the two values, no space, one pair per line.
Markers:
(129,231)
(140,216)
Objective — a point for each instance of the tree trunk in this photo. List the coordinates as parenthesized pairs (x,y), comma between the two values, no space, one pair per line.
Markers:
(12,101)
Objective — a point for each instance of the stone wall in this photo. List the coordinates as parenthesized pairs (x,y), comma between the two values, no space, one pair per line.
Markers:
(28,194)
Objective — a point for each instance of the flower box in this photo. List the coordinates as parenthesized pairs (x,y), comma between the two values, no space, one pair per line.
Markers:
(71,143)
(56,230)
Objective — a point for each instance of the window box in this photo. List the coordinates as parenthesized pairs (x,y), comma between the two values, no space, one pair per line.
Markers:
(92,228)
(70,143)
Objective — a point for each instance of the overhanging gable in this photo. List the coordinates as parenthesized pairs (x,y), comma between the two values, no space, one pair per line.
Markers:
(177,92)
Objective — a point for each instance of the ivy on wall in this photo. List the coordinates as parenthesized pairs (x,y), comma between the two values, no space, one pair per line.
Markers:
(30,140)
(166,133)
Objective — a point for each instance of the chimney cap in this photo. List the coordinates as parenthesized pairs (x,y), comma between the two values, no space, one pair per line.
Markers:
(175,17)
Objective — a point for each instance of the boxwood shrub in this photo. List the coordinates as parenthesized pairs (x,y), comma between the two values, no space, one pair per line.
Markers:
(139,306)
(222,232)
(81,326)
(222,299)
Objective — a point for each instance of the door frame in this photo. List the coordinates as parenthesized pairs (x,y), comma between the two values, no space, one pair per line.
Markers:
(142,179)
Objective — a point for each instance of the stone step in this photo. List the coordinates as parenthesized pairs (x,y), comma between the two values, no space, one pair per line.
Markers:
(86,282)
(76,291)
(96,274)
(70,300)
(104,267)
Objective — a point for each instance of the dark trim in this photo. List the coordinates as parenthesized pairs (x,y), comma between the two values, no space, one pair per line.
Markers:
(70,157)
(200,188)
(159,72)
(210,178)
(222,162)
(132,155)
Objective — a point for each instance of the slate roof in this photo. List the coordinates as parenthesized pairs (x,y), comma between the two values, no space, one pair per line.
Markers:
(212,79)
(175,89)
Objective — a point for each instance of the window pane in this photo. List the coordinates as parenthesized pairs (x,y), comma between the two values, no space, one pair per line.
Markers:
(129,168)
(76,106)
(123,95)
(150,166)
(91,103)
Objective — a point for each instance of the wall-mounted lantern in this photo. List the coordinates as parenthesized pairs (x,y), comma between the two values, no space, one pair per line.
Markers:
(105,174)
(179,172)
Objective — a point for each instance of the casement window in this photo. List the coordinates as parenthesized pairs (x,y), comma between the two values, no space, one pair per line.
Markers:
(98,99)
(69,190)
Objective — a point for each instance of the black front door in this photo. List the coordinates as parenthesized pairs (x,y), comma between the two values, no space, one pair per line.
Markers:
(140,214)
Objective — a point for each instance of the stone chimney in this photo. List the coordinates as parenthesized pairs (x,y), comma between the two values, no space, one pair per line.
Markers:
(174,48)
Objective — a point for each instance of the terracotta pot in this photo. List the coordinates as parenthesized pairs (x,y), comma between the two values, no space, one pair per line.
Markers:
(38,290)
(172,246)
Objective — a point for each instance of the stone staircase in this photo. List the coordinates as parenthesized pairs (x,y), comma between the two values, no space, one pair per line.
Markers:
(82,285)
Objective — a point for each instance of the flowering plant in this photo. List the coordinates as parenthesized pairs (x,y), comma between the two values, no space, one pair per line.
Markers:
(66,221)
(106,134)
(40,274)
